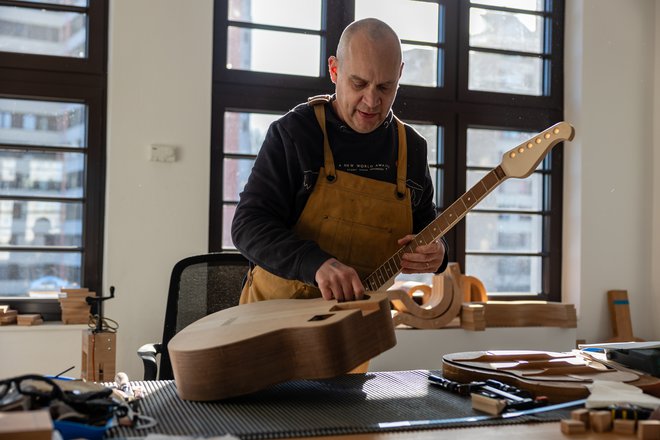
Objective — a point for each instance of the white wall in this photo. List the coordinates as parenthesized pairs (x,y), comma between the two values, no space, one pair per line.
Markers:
(655,239)
(159,91)
(608,187)
(157,213)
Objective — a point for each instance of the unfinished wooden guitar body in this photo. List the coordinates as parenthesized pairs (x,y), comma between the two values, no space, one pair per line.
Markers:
(250,347)
(560,377)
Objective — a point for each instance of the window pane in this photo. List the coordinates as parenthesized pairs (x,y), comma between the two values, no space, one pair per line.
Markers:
(42,174)
(307,13)
(43,123)
(430,133)
(43,32)
(506,30)
(530,5)
(411,20)
(227,217)
(437,175)
(23,272)
(40,223)
(513,194)
(485,147)
(236,173)
(490,72)
(261,51)
(420,65)
(245,132)
(506,275)
(503,232)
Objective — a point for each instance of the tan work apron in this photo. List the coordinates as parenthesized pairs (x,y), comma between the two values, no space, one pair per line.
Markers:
(356,219)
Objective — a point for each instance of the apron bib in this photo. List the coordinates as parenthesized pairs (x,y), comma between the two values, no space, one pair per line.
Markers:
(356,219)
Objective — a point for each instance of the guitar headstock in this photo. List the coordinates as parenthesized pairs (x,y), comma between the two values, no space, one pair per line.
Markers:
(521,161)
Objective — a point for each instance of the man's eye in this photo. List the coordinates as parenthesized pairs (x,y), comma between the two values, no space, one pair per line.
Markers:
(358,85)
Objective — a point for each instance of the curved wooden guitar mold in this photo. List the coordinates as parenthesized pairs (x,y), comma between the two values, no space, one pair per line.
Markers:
(439,309)
(559,376)
(250,347)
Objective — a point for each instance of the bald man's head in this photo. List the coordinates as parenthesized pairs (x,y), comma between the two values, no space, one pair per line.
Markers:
(366,73)
(374,30)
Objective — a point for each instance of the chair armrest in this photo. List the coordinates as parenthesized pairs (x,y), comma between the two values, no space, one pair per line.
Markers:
(148,353)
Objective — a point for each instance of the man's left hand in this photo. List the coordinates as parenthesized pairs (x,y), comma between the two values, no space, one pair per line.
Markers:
(426,258)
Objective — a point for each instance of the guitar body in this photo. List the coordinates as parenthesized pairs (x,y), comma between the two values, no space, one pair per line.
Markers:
(561,377)
(250,347)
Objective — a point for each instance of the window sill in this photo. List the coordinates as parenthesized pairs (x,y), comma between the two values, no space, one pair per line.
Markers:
(48,326)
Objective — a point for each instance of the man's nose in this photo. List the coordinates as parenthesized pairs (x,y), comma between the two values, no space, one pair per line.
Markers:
(371,97)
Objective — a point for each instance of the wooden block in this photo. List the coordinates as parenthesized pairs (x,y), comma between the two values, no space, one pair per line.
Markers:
(572,426)
(488,404)
(582,415)
(98,356)
(600,421)
(648,430)
(472,317)
(24,425)
(529,314)
(28,319)
(625,427)
(620,316)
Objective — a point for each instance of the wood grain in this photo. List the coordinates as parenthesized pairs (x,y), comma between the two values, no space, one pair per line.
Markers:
(249,347)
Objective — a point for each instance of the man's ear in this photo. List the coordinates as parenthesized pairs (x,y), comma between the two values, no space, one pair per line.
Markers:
(332,68)
(401,70)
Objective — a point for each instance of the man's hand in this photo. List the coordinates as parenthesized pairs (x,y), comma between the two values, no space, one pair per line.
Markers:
(338,281)
(425,258)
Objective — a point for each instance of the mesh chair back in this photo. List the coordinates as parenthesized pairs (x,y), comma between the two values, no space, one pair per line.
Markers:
(200,285)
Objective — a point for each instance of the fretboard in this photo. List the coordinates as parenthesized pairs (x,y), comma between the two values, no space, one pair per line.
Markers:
(437,228)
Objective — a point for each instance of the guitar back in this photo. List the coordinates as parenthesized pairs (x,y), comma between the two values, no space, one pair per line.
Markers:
(249,347)
(560,377)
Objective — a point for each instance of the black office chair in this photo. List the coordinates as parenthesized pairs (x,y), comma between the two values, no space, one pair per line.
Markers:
(199,285)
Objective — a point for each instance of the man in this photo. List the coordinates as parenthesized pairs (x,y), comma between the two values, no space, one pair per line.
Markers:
(339,184)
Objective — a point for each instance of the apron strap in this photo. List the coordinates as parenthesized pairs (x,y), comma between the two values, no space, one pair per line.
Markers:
(329,164)
(402,161)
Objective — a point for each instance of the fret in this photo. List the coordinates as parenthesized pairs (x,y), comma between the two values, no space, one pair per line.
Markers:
(479,190)
(388,270)
(392,266)
(490,180)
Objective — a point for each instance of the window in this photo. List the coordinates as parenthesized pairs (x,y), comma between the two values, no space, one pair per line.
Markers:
(480,77)
(52,143)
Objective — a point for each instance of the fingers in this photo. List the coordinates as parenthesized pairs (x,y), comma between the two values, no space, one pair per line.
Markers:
(424,259)
(338,281)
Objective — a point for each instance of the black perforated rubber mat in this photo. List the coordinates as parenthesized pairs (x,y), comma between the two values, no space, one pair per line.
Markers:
(349,404)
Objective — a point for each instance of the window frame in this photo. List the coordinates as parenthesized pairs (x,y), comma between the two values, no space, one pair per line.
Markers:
(452,106)
(65,79)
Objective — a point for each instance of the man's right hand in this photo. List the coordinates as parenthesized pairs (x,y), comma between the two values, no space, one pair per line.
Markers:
(338,281)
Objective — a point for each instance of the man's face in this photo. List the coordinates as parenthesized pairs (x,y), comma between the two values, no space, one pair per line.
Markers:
(366,79)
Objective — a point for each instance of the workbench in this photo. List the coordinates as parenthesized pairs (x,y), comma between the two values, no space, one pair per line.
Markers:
(356,406)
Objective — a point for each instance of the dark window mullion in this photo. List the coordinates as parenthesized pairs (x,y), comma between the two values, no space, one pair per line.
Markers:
(28,148)
(56,249)
(46,6)
(509,52)
(275,28)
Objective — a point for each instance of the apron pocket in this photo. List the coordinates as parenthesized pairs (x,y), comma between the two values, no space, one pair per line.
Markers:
(361,246)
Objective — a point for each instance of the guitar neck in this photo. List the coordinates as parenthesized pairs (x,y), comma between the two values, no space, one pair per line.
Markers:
(437,228)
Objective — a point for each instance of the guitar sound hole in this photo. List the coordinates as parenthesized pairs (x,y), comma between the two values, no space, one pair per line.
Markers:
(321,317)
